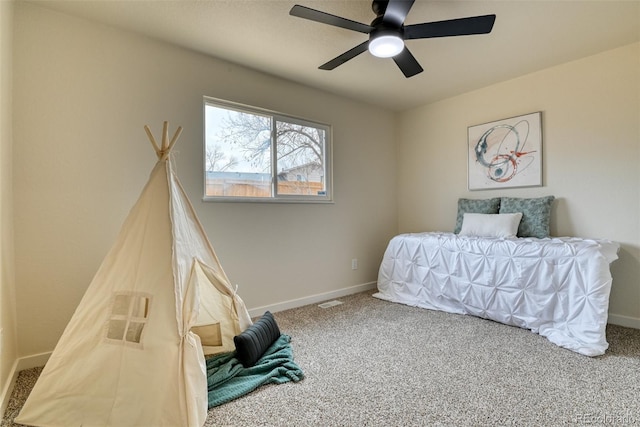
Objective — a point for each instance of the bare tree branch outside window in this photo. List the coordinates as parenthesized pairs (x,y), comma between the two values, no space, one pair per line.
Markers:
(239,154)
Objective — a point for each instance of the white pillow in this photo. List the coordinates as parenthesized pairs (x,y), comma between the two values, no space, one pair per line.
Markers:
(490,225)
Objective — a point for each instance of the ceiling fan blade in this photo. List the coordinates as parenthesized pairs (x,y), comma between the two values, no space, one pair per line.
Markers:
(327,18)
(396,12)
(341,59)
(407,63)
(453,27)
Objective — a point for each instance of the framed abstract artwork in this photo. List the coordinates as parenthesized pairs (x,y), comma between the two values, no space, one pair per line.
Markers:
(506,153)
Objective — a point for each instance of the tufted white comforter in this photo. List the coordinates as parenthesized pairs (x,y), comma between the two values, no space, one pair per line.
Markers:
(556,287)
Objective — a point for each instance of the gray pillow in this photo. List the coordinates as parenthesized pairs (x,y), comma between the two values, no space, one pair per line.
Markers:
(256,339)
(480,206)
(536,214)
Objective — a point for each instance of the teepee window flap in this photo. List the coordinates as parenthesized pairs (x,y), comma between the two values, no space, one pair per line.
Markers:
(128,317)
(210,335)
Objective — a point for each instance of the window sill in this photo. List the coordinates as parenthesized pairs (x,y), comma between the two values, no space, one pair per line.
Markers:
(266,200)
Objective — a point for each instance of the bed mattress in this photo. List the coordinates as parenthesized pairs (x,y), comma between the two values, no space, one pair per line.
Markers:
(556,287)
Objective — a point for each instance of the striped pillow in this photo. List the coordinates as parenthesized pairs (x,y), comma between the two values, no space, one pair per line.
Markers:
(256,339)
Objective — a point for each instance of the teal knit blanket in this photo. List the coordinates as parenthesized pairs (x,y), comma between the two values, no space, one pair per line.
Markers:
(227,379)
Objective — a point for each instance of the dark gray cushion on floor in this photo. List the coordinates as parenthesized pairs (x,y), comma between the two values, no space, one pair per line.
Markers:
(256,339)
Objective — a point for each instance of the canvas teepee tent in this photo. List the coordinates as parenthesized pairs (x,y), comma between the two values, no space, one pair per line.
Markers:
(129,356)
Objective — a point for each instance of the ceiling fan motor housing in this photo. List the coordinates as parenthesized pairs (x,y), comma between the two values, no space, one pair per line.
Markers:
(379,7)
(386,30)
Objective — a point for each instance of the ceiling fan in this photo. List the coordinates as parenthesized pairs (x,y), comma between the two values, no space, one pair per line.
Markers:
(387,32)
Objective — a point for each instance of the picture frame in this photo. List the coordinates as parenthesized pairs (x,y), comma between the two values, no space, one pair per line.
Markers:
(505,153)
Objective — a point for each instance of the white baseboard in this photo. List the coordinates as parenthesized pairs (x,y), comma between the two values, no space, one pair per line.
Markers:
(626,321)
(20,364)
(33,361)
(8,388)
(312,299)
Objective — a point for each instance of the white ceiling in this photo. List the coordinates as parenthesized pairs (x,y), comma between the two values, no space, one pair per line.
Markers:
(528,35)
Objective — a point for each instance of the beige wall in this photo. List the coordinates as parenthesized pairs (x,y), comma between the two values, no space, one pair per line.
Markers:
(82,95)
(8,347)
(591,131)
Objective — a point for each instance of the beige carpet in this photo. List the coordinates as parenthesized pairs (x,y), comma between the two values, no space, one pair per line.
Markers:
(373,363)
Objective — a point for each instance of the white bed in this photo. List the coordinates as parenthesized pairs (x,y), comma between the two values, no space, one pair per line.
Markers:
(556,287)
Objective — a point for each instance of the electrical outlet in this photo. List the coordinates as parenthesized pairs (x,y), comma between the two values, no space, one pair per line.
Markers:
(354,264)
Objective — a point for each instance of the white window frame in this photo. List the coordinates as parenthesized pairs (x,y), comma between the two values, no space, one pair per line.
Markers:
(275,117)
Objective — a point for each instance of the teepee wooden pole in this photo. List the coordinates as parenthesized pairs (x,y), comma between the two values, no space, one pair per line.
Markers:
(165,136)
(152,139)
(176,135)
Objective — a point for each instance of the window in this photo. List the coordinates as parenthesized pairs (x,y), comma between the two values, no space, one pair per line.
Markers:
(129,314)
(258,155)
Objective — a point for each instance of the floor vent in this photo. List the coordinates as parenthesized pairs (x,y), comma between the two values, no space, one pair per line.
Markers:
(330,304)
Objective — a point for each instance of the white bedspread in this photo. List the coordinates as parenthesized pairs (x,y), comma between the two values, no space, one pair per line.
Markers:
(557,287)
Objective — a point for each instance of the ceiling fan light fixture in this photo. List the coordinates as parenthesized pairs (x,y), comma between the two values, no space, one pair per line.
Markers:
(386,45)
